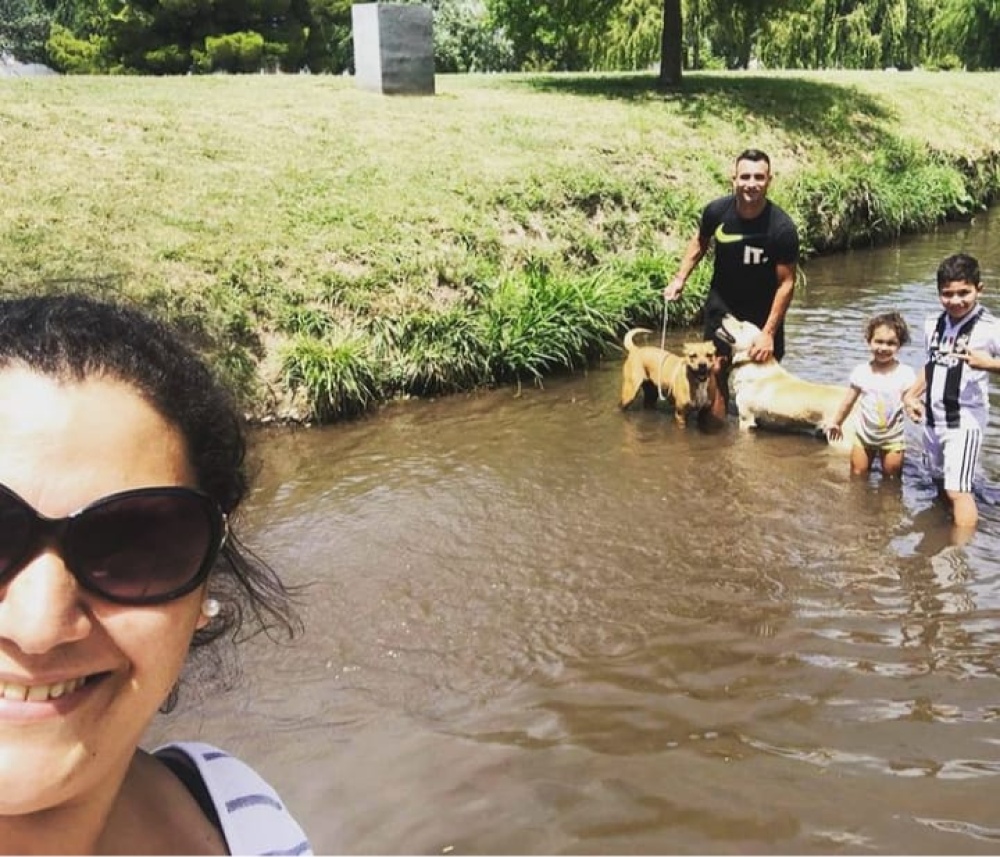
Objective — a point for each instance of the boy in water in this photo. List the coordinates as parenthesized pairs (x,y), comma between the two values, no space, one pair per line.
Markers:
(880,384)
(951,397)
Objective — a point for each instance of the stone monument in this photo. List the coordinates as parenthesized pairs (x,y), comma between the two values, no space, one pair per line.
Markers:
(393,48)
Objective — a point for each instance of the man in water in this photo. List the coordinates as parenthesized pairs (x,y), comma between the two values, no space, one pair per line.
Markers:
(756,254)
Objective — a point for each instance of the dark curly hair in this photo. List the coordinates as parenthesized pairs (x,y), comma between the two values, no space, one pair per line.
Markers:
(74,337)
(894,321)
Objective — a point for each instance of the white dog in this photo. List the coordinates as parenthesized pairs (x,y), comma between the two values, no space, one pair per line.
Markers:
(769,396)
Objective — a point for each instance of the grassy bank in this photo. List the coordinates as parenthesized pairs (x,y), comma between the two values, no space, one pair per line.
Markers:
(332,249)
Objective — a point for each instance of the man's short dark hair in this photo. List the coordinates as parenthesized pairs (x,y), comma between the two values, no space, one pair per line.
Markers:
(754,155)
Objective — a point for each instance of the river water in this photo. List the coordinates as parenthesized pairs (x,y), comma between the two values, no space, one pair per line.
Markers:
(536,624)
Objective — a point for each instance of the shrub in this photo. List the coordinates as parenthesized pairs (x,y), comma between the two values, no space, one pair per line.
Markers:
(235,52)
(70,55)
(167,59)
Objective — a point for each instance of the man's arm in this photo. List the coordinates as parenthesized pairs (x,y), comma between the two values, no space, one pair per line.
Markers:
(763,347)
(694,252)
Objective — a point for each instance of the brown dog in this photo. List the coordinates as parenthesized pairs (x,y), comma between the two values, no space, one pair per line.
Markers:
(688,380)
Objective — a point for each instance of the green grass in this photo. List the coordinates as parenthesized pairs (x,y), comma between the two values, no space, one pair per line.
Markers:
(330,249)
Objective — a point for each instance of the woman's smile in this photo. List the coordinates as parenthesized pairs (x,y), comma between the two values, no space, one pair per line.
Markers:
(32,700)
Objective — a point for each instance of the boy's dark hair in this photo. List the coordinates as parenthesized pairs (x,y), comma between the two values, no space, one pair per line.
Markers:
(754,155)
(73,337)
(958,268)
(891,320)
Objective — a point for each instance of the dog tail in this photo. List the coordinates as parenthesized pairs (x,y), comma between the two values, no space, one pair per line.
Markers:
(631,334)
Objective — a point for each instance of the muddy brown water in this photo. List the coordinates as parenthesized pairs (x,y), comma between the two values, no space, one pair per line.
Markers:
(539,625)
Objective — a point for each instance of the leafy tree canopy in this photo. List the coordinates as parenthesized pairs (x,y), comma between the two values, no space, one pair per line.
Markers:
(24,28)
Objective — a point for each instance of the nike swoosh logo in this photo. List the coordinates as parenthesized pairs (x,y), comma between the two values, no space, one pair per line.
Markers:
(724,237)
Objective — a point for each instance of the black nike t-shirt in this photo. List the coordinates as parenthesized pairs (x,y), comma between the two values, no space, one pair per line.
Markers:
(747,253)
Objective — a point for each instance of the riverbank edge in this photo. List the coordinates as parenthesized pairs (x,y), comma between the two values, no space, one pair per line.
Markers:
(510,229)
(570,320)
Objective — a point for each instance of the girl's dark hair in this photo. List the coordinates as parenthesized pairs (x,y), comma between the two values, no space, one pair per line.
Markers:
(74,337)
(892,320)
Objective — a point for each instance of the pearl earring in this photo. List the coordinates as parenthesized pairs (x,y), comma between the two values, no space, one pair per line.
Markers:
(210,608)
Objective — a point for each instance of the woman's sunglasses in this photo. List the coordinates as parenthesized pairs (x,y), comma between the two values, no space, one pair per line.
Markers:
(144,546)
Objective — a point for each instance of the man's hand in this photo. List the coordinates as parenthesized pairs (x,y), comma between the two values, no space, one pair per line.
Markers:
(834,432)
(762,348)
(673,291)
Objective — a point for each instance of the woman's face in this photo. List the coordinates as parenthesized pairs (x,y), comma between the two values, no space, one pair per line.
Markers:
(62,446)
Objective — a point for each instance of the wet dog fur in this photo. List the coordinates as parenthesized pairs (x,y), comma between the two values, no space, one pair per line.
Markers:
(687,380)
(767,395)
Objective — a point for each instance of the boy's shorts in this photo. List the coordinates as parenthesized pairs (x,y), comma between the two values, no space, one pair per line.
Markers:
(952,454)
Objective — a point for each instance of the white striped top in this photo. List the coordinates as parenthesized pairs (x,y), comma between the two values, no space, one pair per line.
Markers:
(253,818)
(972,394)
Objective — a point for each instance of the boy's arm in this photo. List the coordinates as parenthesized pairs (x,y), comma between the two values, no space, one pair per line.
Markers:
(981,360)
(986,359)
(913,398)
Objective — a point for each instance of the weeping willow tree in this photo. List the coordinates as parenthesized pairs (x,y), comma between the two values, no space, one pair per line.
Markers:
(970,29)
(632,39)
(694,34)
(865,34)
(691,34)
(643,33)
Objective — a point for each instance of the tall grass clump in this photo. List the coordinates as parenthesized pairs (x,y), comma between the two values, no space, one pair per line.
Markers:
(540,320)
(427,353)
(545,319)
(337,377)
(641,280)
(899,188)
(982,176)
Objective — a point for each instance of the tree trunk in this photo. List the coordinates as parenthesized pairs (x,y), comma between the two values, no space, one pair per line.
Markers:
(694,33)
(671,45)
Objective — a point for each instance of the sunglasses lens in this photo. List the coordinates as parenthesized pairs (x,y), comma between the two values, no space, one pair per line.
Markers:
(15,532)
(144,546)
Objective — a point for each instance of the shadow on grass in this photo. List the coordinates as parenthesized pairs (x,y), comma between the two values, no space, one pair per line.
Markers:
(812,108)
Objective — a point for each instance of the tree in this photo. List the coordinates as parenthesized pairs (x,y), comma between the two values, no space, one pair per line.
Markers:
(24,27)
(467,39)
(848,34)
(552,36)
(970,29)
(671,45)
(736,27)
(329,46)
(172,36)
(632,39)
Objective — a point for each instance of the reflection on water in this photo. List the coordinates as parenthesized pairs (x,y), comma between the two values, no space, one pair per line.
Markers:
(539,625)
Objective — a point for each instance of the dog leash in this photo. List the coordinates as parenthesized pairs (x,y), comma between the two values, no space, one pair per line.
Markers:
(663,347)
